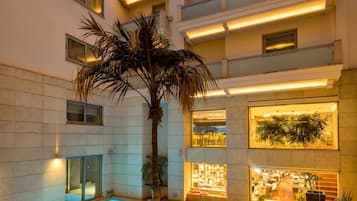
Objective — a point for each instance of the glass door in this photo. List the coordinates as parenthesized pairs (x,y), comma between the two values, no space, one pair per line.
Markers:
(83,178)
(74,180)
(92,178)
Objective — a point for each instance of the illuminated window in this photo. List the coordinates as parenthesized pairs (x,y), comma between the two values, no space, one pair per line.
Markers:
(94,5)
(82,113)
(298,126)
(280,41)
(293,184)
(209,177)
(209,128)
(80,52)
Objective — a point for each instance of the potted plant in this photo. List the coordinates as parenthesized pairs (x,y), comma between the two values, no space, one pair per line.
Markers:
(310,183)
(147,171)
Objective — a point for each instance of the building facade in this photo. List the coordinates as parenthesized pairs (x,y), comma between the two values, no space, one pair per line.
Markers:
(282,121)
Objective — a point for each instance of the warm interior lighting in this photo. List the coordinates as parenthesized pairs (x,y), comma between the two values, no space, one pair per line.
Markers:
(277,14)
(128,2)
(278,87)
(205,31)
(280,46)
(209,115)
(212,93)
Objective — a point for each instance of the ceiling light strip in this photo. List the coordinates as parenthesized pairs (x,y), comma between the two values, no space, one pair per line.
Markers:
(277,14)
(205,31)
(279,87)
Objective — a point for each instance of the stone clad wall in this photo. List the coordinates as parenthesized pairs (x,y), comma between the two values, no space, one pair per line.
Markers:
(32,122)
(348,131)
(239,158)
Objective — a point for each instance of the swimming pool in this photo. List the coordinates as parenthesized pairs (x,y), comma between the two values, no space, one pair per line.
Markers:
(113,199)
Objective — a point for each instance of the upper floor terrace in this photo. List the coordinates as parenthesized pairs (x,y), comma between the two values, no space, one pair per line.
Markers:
(209,18)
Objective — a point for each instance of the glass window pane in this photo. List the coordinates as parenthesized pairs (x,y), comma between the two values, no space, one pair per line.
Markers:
(92,180)
(296,126)
(292,184)
(280,41)
(95,5)
(210,177)
(75,112)
(209,128)
(94,114)
(75,50)
(91,58)
(74,180)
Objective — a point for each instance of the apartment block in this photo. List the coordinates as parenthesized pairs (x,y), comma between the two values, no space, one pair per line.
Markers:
(281,124)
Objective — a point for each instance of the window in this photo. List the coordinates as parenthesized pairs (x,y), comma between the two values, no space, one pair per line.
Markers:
(94,5)
(280,41)
(209,177)
(292,184)
(209,128)
(82,113)
(80,52)
(83,178)
(297,126)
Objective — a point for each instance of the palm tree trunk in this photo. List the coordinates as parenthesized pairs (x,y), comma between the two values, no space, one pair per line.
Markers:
(155,116)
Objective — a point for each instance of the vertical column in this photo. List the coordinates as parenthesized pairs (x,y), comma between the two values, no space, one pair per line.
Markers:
(348,131)
(175,9)
(237,145)
(176,147)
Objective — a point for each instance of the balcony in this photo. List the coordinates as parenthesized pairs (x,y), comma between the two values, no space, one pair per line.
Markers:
(209,18)
(193,11)
(316,56)
(162,24)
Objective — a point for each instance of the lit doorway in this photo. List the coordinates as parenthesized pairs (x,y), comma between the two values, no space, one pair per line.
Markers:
(83,178)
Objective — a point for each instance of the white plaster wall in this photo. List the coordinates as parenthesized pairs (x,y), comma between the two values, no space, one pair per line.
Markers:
(33,33)
(312,30)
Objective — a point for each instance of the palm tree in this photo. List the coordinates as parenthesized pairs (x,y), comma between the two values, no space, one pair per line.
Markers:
(142,61)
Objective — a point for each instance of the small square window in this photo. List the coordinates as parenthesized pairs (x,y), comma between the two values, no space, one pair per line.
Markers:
(80,52)
(82,113)
(280,41)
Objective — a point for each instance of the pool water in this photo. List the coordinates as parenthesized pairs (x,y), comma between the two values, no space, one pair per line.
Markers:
(112,199)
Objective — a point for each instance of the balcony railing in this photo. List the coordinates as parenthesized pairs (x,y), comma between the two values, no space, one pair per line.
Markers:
(193,11)
(321,55)
(231,4)
(161,19)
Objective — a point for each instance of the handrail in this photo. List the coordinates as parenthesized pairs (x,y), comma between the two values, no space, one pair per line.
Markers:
(284,52)
(194,4)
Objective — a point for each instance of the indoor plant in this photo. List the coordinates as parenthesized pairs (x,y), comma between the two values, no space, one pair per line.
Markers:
(300,129)
(310,183)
